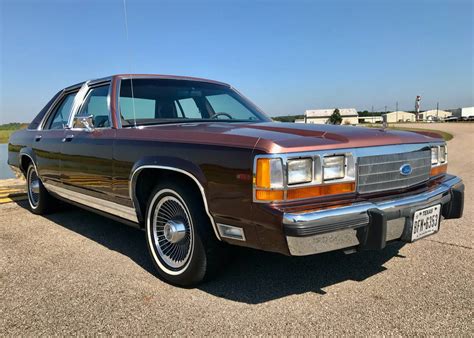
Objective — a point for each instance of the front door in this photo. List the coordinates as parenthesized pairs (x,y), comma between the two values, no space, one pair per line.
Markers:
(86,154)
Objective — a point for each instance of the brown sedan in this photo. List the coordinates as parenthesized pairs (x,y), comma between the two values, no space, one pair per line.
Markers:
(199,167)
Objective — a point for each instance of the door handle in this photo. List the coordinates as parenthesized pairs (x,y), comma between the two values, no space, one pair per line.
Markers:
(38,138)
(68,138)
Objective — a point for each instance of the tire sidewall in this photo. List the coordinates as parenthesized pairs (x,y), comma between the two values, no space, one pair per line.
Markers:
(195,270)
(156,197)
(33,207)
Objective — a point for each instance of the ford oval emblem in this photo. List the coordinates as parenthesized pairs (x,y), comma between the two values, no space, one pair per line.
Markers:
(406,169)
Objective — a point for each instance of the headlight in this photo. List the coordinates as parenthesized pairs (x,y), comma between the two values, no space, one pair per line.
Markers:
(443,154)
(334,167)
(439,160)
(434,155)
(300,171)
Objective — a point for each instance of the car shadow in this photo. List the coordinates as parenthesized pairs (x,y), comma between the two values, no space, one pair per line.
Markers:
(250,276)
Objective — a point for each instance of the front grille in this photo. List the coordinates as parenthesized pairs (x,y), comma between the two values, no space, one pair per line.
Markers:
(382,172)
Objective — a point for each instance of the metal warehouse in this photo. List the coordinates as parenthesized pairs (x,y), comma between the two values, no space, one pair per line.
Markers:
(321,116)
(400,116)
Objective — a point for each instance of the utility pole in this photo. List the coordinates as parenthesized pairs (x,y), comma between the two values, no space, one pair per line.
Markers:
(437,110)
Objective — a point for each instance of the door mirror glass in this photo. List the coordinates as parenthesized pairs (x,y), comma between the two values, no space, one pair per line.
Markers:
(84,122)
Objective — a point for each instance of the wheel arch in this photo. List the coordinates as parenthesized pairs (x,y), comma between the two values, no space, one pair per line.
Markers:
(166,167)
(25,157)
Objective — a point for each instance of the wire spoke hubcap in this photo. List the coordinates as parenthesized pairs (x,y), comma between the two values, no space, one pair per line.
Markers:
(172,232)
(33,187)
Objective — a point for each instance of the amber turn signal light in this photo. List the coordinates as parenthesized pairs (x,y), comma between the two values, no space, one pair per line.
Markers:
(263,173)
(322,190)
(442,169)
(269,195)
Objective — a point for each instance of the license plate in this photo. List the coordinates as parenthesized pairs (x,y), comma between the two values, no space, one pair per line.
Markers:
(425,222)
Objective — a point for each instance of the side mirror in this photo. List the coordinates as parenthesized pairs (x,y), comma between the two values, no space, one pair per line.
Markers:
(84,122)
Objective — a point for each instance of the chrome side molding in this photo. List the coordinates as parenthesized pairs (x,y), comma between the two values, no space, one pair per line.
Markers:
(94,202)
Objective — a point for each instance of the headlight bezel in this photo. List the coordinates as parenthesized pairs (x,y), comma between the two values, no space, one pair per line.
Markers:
(309,168)
(334,168)
(441,157)
(315,163)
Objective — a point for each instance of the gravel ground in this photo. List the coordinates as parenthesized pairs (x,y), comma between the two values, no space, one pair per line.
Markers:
(78,273)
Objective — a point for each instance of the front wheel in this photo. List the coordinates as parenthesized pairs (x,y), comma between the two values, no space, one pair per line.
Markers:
(180,237)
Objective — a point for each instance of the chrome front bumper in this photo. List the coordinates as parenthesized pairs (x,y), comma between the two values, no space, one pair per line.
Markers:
(367,225)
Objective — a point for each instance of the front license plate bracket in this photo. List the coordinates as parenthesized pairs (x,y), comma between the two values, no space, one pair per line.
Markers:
(423,223)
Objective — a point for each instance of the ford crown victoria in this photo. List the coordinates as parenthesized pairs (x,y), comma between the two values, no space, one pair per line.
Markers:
(199,167)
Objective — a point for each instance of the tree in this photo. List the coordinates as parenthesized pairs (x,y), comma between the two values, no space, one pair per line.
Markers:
(336,117)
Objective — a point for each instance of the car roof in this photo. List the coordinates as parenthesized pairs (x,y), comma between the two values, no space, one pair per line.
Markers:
(170,77)
(144,76)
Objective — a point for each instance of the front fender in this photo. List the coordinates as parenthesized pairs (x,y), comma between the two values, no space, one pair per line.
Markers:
(170,163)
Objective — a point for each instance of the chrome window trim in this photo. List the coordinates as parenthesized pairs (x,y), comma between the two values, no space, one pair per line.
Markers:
(118,113)
(84,91)
(132,184)
(320,154)
(94,202)
(52,108)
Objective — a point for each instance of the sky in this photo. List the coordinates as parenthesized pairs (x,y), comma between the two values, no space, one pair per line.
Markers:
(286,56)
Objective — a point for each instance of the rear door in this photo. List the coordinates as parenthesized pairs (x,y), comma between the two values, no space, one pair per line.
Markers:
(86,155)
(47,141)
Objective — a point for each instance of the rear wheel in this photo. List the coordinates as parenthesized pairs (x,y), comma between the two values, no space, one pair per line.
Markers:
(39,199)
(180,238)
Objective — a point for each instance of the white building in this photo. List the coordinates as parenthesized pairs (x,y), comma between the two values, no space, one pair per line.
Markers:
(462,112)
(370,119)
(434,114)
(321,116)
(400,116)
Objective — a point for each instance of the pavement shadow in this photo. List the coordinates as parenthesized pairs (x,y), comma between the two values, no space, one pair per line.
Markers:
(255,277)
(250,276)
(113,235)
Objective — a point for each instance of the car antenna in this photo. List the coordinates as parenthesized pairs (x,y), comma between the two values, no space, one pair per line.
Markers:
(130,61)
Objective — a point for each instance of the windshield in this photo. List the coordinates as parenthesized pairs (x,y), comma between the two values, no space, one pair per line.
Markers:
(155,101)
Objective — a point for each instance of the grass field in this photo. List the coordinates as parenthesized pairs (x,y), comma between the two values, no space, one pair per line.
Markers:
(7,129)
(4,135)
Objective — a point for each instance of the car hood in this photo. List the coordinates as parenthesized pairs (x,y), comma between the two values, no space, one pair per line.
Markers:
(273,137)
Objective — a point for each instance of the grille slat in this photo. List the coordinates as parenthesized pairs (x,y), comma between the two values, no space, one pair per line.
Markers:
(382,172)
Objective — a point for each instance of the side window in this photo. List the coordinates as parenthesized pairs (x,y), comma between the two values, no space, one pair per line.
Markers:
(189,109)
(59,118)
(224,103)
(144,108)
(95,104)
